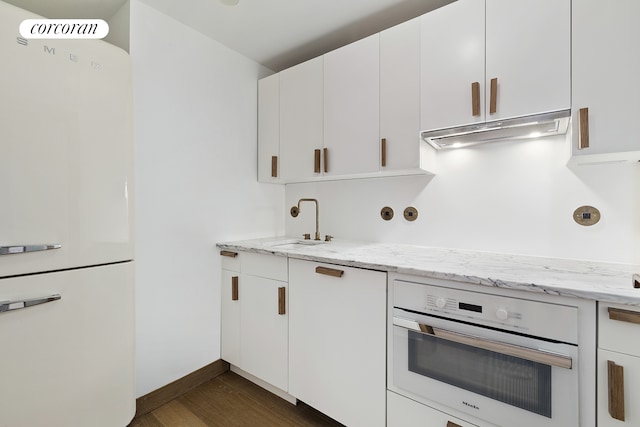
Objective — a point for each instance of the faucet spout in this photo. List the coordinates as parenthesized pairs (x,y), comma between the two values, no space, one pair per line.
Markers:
(295,210)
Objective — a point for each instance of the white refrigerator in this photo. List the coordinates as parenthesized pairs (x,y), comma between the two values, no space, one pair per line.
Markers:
(66,255)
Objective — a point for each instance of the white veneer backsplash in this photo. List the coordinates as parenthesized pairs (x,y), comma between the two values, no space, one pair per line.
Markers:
(512,197)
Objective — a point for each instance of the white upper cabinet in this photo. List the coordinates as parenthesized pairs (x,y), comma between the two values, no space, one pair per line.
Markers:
(452,58)
(528,47)
(351,108)
(606,66)
(269,129)
(521,48)
(301,120)
(401,148)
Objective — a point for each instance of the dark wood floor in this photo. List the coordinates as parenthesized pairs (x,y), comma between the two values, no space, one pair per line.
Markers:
(229,401)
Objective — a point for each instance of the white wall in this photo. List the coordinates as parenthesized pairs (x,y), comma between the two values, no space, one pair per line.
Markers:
(196,150)
(119,27)
(515,197)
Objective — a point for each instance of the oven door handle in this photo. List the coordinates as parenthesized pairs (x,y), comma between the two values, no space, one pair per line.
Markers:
(540,356)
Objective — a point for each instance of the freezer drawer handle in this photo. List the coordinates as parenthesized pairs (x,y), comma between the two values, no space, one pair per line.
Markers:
(21,249)
(19,304)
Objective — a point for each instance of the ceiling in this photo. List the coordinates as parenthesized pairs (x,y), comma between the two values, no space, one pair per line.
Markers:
(71,9)
(274,33)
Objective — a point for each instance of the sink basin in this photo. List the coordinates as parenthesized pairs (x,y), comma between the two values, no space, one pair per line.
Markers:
(293,243)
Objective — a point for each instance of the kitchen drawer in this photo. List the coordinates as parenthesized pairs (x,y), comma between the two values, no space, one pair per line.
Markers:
(617,325)
(230,260)
(267,266)
(404,412)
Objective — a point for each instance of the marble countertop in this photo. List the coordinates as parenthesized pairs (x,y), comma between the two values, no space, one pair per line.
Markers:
(566,277)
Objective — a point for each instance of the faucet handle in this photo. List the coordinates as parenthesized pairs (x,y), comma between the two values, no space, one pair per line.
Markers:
(307,236)
(328,238)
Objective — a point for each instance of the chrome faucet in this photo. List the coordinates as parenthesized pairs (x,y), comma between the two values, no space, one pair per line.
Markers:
(295,210)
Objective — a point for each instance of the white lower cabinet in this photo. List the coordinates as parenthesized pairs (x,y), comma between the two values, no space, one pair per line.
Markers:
(230,316)
(618,389)
(264,330)
(255,327)
(404,412)
(618,366)
(337,341)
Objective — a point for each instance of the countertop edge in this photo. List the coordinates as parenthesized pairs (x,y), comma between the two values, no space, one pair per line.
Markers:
(603,294)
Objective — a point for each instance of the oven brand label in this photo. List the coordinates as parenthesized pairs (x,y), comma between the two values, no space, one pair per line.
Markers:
(470,405)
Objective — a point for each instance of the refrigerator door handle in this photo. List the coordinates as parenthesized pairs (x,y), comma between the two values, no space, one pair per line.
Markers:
(19,304)
(21,249)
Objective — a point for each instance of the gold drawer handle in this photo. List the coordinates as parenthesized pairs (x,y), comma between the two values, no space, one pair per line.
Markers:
(452,424)
(316,161)
(615,376)
(383,149)
(583,128)
(274,166)
(624,315)
(325,155)
(234,288)
(229,254)
(282,301)
(329,271)
(475,99)
(493,100)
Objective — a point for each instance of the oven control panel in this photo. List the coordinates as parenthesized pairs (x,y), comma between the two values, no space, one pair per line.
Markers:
(554,321)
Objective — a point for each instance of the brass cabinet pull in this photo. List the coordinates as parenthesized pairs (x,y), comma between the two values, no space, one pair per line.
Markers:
(229,254)
(329,271)
(325,156)
(316,161)
(274,166)
(383,149)
(636,281)
(234,288)
(583,128)
(475,99)
(282,301)
(493,100)
(624,315)
(452,424)
(615,375)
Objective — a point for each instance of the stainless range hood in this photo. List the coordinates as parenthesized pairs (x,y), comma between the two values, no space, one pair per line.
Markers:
(534,126)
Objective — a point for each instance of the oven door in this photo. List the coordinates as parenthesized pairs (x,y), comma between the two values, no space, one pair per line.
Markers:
(504,378)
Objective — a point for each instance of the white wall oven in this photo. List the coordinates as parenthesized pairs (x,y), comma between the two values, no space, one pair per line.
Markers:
(500,359)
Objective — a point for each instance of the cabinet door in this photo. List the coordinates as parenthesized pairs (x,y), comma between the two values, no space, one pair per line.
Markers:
(605,70)
(337,344)
(351,112)
(528,49)
(264,330)
(623,378)
(269,129)
(400,96)
(230,317)
(301,123)
(452,58)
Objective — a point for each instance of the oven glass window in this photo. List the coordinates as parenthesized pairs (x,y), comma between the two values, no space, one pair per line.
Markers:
(514,381)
